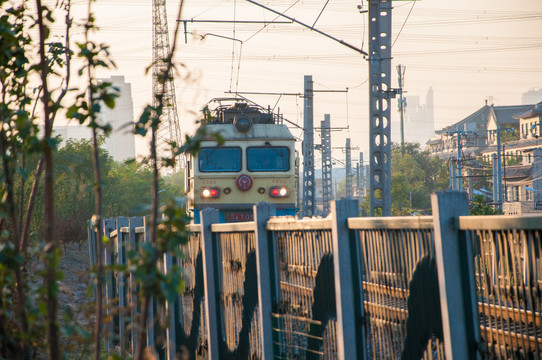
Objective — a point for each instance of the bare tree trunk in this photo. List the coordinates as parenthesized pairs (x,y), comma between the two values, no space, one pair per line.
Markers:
(30,206)
(10,201)
(49,213)
(21,197)
(98,223)
(39,167)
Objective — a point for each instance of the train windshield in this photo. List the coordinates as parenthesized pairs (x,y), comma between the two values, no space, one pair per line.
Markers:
(268,158)
(218,159)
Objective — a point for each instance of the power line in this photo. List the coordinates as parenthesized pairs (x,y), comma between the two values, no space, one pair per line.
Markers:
(404,23)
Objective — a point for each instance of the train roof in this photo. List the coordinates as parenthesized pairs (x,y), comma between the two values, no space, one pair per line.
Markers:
(258,131)
(229,109)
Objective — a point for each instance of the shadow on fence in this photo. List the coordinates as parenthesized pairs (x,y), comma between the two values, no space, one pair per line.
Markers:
(433,287)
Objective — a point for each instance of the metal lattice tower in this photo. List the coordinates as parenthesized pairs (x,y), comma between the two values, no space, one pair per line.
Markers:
(349,188)
(308,150)
(358,181)
(169,129)
(380,94)
(361,177)
(327,181)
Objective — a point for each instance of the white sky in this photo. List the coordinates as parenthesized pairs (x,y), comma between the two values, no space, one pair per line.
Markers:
(467,51)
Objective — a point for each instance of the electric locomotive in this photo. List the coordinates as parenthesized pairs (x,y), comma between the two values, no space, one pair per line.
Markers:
(256,162)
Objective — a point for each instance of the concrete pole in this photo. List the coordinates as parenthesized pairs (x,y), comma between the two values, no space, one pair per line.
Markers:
(499,169)
(308,149)
(459,162)
(401,74)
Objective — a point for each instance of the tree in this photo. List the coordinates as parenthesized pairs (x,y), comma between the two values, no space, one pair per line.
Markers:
(72,190)
(415,175)
(479,206)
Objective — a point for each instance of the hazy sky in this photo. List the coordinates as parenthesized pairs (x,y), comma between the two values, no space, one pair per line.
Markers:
(467,51)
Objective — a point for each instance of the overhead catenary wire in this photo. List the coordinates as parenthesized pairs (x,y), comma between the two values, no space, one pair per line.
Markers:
(404,23)
(321,11)
(263,27)
(233,43)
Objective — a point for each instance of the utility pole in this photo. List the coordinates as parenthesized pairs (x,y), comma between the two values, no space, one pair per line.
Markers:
(459,177)
(459,162)
(327,180)
(349,188)
(308,149)
(503,175)
(451,168)
(469,175)
(402,104)
(169,130)
(497,169)
(358,185)
(362,175)
(349,191)
(496,193)
(380,94)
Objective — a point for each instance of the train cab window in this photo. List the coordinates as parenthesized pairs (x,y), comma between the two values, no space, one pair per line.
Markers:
(218,159)
(268,158)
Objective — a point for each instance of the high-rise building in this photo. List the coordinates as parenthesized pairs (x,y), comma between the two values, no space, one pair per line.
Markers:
(121,141)
(419,118)
(531,97)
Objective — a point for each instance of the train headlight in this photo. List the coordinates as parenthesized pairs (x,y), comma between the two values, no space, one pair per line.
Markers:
(278,192)
(209,193)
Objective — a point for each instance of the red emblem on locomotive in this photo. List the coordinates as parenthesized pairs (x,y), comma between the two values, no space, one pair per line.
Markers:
(244,182)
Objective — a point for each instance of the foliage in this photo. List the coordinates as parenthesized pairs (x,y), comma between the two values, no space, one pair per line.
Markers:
(509,134)
(415,175)
(512,160)
(81,181)
(18,135)
(479,206)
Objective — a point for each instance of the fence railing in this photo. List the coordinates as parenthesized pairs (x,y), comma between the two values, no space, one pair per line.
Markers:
(432,287)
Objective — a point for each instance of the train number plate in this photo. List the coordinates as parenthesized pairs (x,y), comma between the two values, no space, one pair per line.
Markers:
(238,217)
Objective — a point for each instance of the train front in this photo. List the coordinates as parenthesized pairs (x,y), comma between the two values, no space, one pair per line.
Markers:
(256,162)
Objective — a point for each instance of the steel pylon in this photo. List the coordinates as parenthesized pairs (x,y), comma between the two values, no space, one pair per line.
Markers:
(169,129)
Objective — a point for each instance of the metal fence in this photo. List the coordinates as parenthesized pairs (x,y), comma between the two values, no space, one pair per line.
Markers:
(508,276)
(237,291)
(445,286)
(392,250)
(304,315)
(189,309)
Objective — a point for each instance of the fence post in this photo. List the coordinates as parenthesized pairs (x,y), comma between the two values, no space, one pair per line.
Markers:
(133,224)
(456,276)
(151,312)
(92,243)
(171,349)
(108,225)
(348,291)
(266,268)
(210,274)
(120,248)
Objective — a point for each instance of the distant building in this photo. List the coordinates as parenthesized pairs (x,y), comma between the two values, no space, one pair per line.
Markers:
(474,128)
(121,141)
(521,151)
(419,119)
(532,97)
